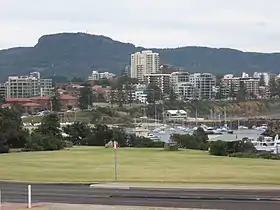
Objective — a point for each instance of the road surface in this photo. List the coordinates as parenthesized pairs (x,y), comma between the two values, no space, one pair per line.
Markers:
(164,197)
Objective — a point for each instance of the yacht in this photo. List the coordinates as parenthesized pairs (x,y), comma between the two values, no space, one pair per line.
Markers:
(153,137)
(267,143)
(242,127)
(263,127)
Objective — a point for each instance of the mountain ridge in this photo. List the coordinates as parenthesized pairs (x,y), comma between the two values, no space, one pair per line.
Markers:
(77,54)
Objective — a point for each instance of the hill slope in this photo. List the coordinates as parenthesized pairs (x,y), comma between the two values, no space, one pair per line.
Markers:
(78,54)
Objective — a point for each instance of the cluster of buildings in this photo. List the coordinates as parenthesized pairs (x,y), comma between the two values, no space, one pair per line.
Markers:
(100,75)
(145,67)
(256,86)
(33,93)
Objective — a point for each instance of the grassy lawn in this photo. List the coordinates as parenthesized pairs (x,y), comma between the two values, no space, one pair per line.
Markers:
(70,116)
(88,164)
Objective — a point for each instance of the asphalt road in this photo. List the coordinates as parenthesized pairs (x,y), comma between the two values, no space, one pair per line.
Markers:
(187,198)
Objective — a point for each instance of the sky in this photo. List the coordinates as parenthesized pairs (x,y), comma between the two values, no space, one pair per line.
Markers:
(248,25)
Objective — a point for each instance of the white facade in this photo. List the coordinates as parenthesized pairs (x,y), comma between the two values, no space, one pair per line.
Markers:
(145,62)
(140,96)
(230,83)
(28,86)
(185,90)
(265,76)
(205,84)
(101,75)
(177,77)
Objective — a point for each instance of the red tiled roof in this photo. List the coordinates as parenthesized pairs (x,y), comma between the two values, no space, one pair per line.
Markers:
(67,97)
(17,100)
(31,105)
(40,98)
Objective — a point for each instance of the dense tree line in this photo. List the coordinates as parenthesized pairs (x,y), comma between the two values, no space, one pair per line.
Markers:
(50,136)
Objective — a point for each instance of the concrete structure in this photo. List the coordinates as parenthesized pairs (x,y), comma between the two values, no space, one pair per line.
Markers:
(139,96)
(263,75)
(177,77)
(185,90)
(205,84)
(3,90)
(230,83)
(160,80)
(176,115)
(28,86)
(145,62)
(100,75)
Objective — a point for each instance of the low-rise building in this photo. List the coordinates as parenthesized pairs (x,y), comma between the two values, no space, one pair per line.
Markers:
(100,75)
(175,115)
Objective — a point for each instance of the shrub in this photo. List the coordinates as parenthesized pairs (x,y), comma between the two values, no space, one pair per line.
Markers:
(40,142)
(196,142)
(218,148)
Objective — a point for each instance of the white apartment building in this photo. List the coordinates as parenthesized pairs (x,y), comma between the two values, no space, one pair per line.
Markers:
(145,62)
(231,83)
(95,75)
(160,80)
(28,86)
(177,77)
(264,75)
(185,90)
(205,84)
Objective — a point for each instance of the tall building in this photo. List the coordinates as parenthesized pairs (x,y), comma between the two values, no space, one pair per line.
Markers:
(28,86)
(160,80)
(205,84)
(3,90)
(145,62)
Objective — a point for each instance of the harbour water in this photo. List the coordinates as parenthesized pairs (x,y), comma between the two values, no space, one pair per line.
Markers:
(165,133)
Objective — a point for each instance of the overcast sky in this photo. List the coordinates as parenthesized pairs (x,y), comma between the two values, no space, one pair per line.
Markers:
(250,25)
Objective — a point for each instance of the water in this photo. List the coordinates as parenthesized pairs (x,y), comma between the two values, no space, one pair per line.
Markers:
(237,134)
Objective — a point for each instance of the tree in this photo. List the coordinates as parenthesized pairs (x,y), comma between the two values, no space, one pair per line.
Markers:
(273,88)
(242,93)
(50,125)
(86,97)
(77,133)
(262,81)
(121,96)
(172,95)
(153,93)
(41,142)
(101,135)
(129,92)
(218,148)
(11,133)
(55,101)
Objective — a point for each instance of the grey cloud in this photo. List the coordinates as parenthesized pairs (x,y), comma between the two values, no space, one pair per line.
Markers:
(248,25)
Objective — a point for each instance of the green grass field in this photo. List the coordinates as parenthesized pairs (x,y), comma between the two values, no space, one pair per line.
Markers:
(80,116)
(88,164)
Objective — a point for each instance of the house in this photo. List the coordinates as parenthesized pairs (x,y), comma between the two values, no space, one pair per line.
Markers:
(175,114)
(67,100)
(43,102)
